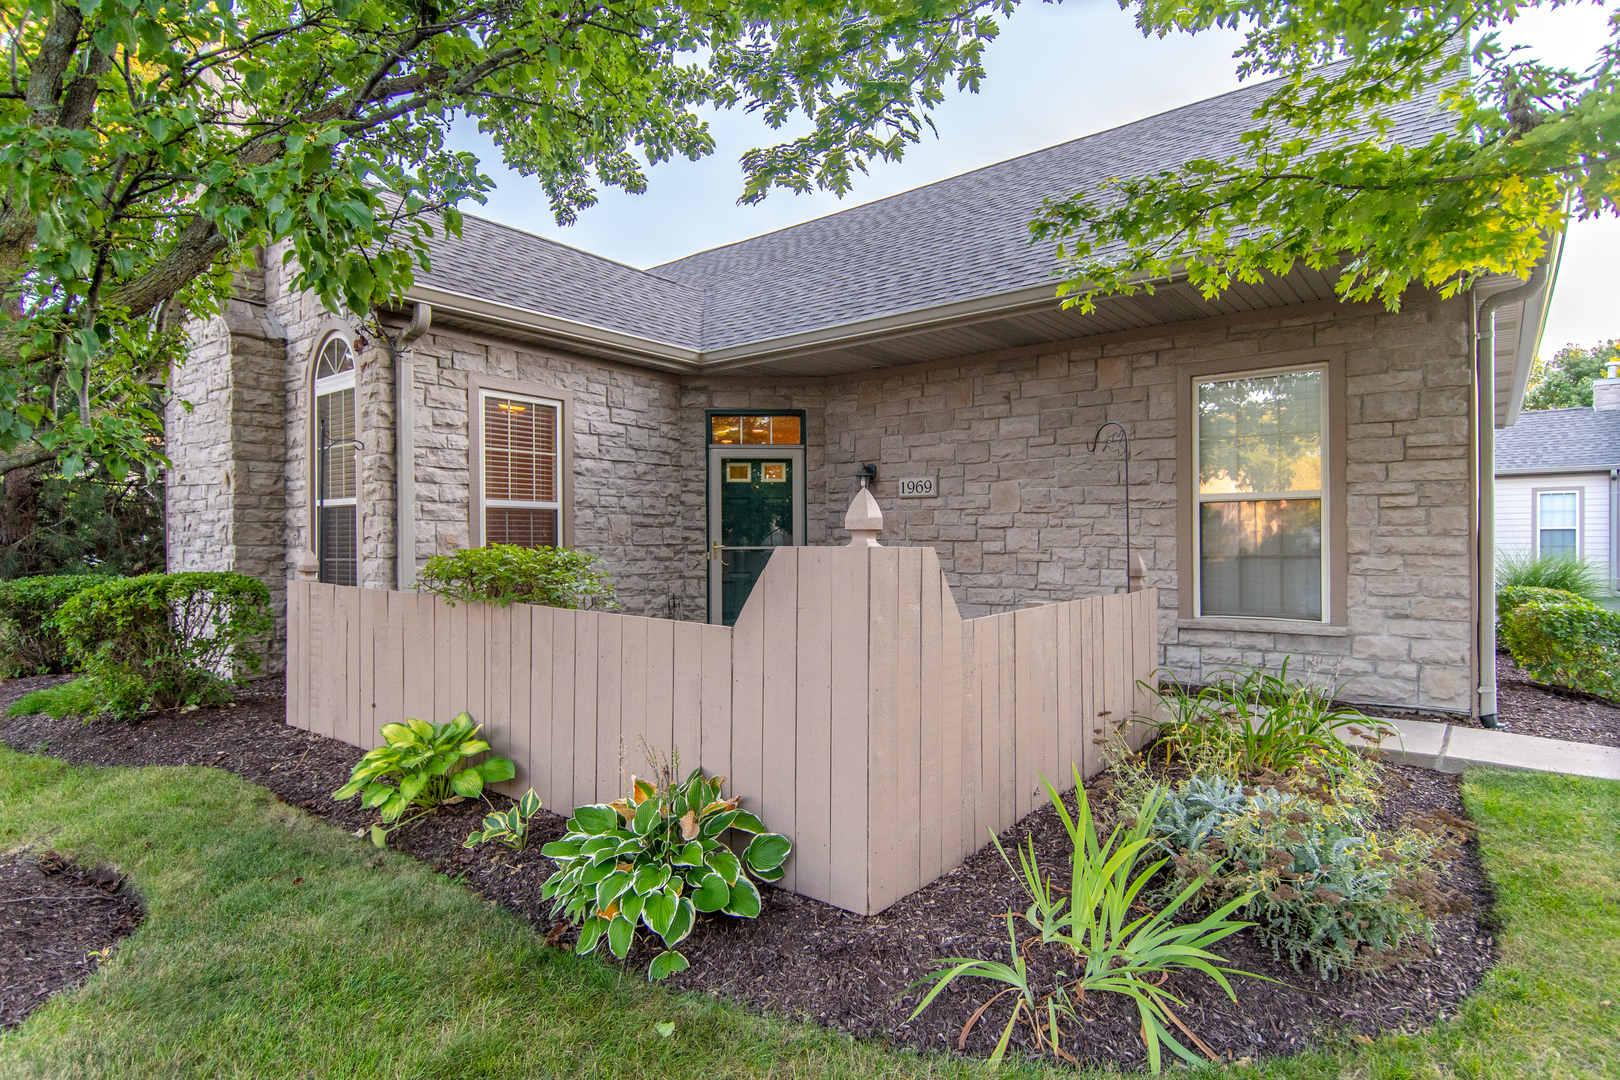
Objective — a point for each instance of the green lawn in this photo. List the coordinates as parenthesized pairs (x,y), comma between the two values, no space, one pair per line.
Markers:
(243,970)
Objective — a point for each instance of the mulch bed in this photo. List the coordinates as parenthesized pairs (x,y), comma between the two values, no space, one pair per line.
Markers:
(805,959)
(1526,707)
(58,922)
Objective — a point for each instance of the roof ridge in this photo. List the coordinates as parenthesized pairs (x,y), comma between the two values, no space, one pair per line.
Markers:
(532,235)
(1201,103)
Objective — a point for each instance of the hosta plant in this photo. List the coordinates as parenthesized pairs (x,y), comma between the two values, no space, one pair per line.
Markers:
(420,765)
(510,828)
(656,859)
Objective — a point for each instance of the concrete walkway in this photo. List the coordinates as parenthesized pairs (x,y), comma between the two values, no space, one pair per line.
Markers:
(1451,749)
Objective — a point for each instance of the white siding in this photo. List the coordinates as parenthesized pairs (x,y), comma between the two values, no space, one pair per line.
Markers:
(1515,511)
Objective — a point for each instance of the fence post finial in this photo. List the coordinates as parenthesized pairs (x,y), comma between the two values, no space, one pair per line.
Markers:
(1138,574)
(864,520)
(308,567)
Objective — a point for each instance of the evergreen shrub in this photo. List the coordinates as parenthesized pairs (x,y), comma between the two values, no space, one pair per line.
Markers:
(164,641)
(29,641)
(505,573)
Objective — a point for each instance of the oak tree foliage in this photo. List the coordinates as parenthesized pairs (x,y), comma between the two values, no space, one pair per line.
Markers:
(147,147)
(1518,148)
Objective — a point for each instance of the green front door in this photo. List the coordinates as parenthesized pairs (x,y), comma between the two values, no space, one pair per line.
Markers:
(756,516)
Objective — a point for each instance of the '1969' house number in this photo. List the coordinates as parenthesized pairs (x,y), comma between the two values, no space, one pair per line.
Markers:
(919,487)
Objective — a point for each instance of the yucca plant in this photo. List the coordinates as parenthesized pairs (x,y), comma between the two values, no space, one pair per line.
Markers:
(1120,951)
(417,767)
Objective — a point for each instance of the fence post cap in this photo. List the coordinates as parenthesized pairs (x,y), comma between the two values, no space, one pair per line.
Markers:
(307,567)
(864,520)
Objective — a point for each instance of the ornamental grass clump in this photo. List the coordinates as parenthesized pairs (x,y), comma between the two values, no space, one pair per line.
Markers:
(1115,943)
(507,574)
(165,641)
(1322,885)
(1253,722)
(30,642)
(656,859)
(1516,569)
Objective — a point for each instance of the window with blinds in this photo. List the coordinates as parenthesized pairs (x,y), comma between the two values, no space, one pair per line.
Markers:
(337,539)
(522,488)
(1257,447)
(1558,524)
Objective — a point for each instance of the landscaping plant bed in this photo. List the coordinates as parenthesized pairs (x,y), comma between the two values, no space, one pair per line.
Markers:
(1526,707)
(58,923)
(805,959)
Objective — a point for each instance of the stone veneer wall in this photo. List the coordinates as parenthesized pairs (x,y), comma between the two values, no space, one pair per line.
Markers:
(225,497)
(1026,513)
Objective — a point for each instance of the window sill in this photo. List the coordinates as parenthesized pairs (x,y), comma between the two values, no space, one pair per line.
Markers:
(1265,626)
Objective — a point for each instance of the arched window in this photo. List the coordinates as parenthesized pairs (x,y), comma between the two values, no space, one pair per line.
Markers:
(337,533)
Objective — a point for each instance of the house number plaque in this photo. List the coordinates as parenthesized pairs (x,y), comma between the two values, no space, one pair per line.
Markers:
(919,487)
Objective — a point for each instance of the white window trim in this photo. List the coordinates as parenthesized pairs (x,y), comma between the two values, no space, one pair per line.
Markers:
(1580,517)
(330,384)
(1199,498)
(484,393)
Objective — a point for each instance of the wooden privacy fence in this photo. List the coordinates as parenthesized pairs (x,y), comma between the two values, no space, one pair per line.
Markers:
(852,707)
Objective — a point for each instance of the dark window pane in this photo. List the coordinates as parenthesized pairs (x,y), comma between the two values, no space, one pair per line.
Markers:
(1262,559)
(756,511)
(520,526)
(340,561)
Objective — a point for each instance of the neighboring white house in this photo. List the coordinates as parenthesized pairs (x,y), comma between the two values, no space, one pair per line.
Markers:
(1557,476)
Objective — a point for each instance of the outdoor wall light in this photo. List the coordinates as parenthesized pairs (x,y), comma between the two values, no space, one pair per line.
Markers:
(867,475)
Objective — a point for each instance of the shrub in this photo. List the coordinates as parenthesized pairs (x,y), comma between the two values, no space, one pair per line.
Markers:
(1255,722)
(1514,595)
(656,859)
(416,767)
(1567,645)
(1320,884)
(1116,950)
(163,641)
(504,573)
(510,828)
(30,643)
(1514,569)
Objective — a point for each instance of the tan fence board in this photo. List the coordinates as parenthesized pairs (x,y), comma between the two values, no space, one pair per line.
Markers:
(848,627)
(294,704)
(885,881)
(585,684)
(956,796)
(813,719)
(778,797)
(497,714)
(714,741)
(521,689)
(686,730)
(633,693)
(931,728)
(747,702)
(612,755)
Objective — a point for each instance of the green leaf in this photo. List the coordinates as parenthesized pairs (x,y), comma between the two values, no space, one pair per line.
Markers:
(681,925)
(665,1029)
(651,878)
(597,818)
(529,805)
(621,932)
(468,782)
(724,863)
(647,816)
(610,888)
(767,852)
(665,964)
(715,824)
(561,849)
(630,905)
(658,911)
(379,836)
(590,934)
(690,855)
(748,822)
(712,894)
(496,770)
(744,900)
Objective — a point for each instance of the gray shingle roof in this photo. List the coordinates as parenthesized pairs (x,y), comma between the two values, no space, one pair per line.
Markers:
(961,238)
(1560,440)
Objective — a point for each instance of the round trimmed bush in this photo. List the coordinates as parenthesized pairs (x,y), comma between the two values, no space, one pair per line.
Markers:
(1514,595)
(1567,645)
(29,641)
(163,641)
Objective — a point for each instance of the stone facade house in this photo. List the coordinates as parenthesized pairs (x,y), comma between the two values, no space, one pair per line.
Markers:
(1303,473)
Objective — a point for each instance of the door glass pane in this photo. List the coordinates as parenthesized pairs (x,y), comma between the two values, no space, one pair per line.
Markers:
(1260,434)
(737,577)
(758,512)
(756,430)
(1262,559)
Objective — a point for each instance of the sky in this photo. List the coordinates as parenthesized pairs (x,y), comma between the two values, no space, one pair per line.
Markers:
(1056,73)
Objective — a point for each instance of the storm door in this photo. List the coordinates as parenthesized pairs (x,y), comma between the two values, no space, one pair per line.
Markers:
(756,503)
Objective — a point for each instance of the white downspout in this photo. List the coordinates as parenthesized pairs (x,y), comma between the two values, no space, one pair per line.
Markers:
(1485,407)
(405,448)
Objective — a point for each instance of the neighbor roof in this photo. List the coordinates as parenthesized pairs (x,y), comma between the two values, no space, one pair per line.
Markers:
(1560,441)
(961,239)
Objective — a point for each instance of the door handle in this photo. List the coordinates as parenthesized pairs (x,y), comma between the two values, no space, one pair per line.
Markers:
(714,550)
